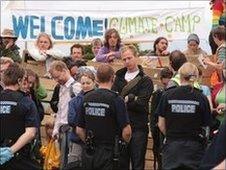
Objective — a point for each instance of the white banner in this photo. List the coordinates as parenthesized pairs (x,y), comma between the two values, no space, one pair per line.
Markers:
(132,25)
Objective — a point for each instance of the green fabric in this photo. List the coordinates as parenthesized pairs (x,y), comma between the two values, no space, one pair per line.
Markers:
(221,54)
(40,92)
(220,98)
(12,53)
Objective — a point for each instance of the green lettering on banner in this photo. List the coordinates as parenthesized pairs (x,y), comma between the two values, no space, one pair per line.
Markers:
(169,21)
(196,19)
(186,21)
(132,24)
(113,23)
(178,25)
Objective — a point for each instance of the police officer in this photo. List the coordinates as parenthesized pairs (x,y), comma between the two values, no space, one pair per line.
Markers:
(102,118)
(18,122)
(183,112)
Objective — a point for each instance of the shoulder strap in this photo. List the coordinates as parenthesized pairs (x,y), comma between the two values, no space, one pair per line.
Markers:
(130,85)
(72,94)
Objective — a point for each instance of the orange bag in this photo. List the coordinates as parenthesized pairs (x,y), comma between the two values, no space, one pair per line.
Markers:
(51,156)
(214,79)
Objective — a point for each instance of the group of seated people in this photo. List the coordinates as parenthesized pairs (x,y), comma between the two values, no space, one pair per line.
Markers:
(74,78)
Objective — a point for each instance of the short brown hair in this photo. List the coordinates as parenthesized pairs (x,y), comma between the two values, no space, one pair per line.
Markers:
(77,46)
(58,66)
(12,74)
(219,32)
(96,41)
(105,73)
(132,48)
(177,59)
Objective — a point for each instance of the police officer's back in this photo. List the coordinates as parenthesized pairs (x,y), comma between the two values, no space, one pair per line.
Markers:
(103,117)
(183,112)
(18,122)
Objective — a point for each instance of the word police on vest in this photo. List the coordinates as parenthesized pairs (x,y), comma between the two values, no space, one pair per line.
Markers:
(182,106)
(5,106)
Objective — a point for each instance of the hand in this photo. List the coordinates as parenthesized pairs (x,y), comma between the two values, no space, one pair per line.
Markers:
(9,44)
(130,97)
(55,135)
(220,108)
(110,56)
(5,155)
(206,60)
(165,52)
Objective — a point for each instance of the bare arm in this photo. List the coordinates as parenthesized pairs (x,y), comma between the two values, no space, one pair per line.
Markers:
(81,133)
(162,124)
(126,133)
(25,138)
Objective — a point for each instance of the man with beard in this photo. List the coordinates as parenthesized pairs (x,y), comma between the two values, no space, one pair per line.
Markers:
(160,47)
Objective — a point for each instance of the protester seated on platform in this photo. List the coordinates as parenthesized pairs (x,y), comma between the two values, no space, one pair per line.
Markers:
(77,52)
(96,45)
(8,48)
(219,37)
(111,48)
(193,46)
(43,51)
(5,62)
(160,47)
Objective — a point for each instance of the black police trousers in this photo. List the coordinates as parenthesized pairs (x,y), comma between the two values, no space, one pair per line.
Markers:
(21,162)
(101,159)
(135,152)
(182,154)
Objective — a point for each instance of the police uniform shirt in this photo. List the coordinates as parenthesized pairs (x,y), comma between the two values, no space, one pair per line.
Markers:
(184,108)
(99,110)
(16,114)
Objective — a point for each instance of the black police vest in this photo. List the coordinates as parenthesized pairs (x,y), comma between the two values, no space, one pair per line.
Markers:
(183,120)
(12,116)
(100,115)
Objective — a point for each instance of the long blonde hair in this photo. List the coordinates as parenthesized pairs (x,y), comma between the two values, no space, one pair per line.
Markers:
(189,72)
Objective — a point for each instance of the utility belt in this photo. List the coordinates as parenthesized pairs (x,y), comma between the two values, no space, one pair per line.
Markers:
(90,144)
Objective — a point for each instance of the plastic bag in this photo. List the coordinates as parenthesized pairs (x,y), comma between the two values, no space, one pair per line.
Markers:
(51,156)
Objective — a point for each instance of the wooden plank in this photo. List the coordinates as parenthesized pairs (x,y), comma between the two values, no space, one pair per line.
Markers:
(49,84)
